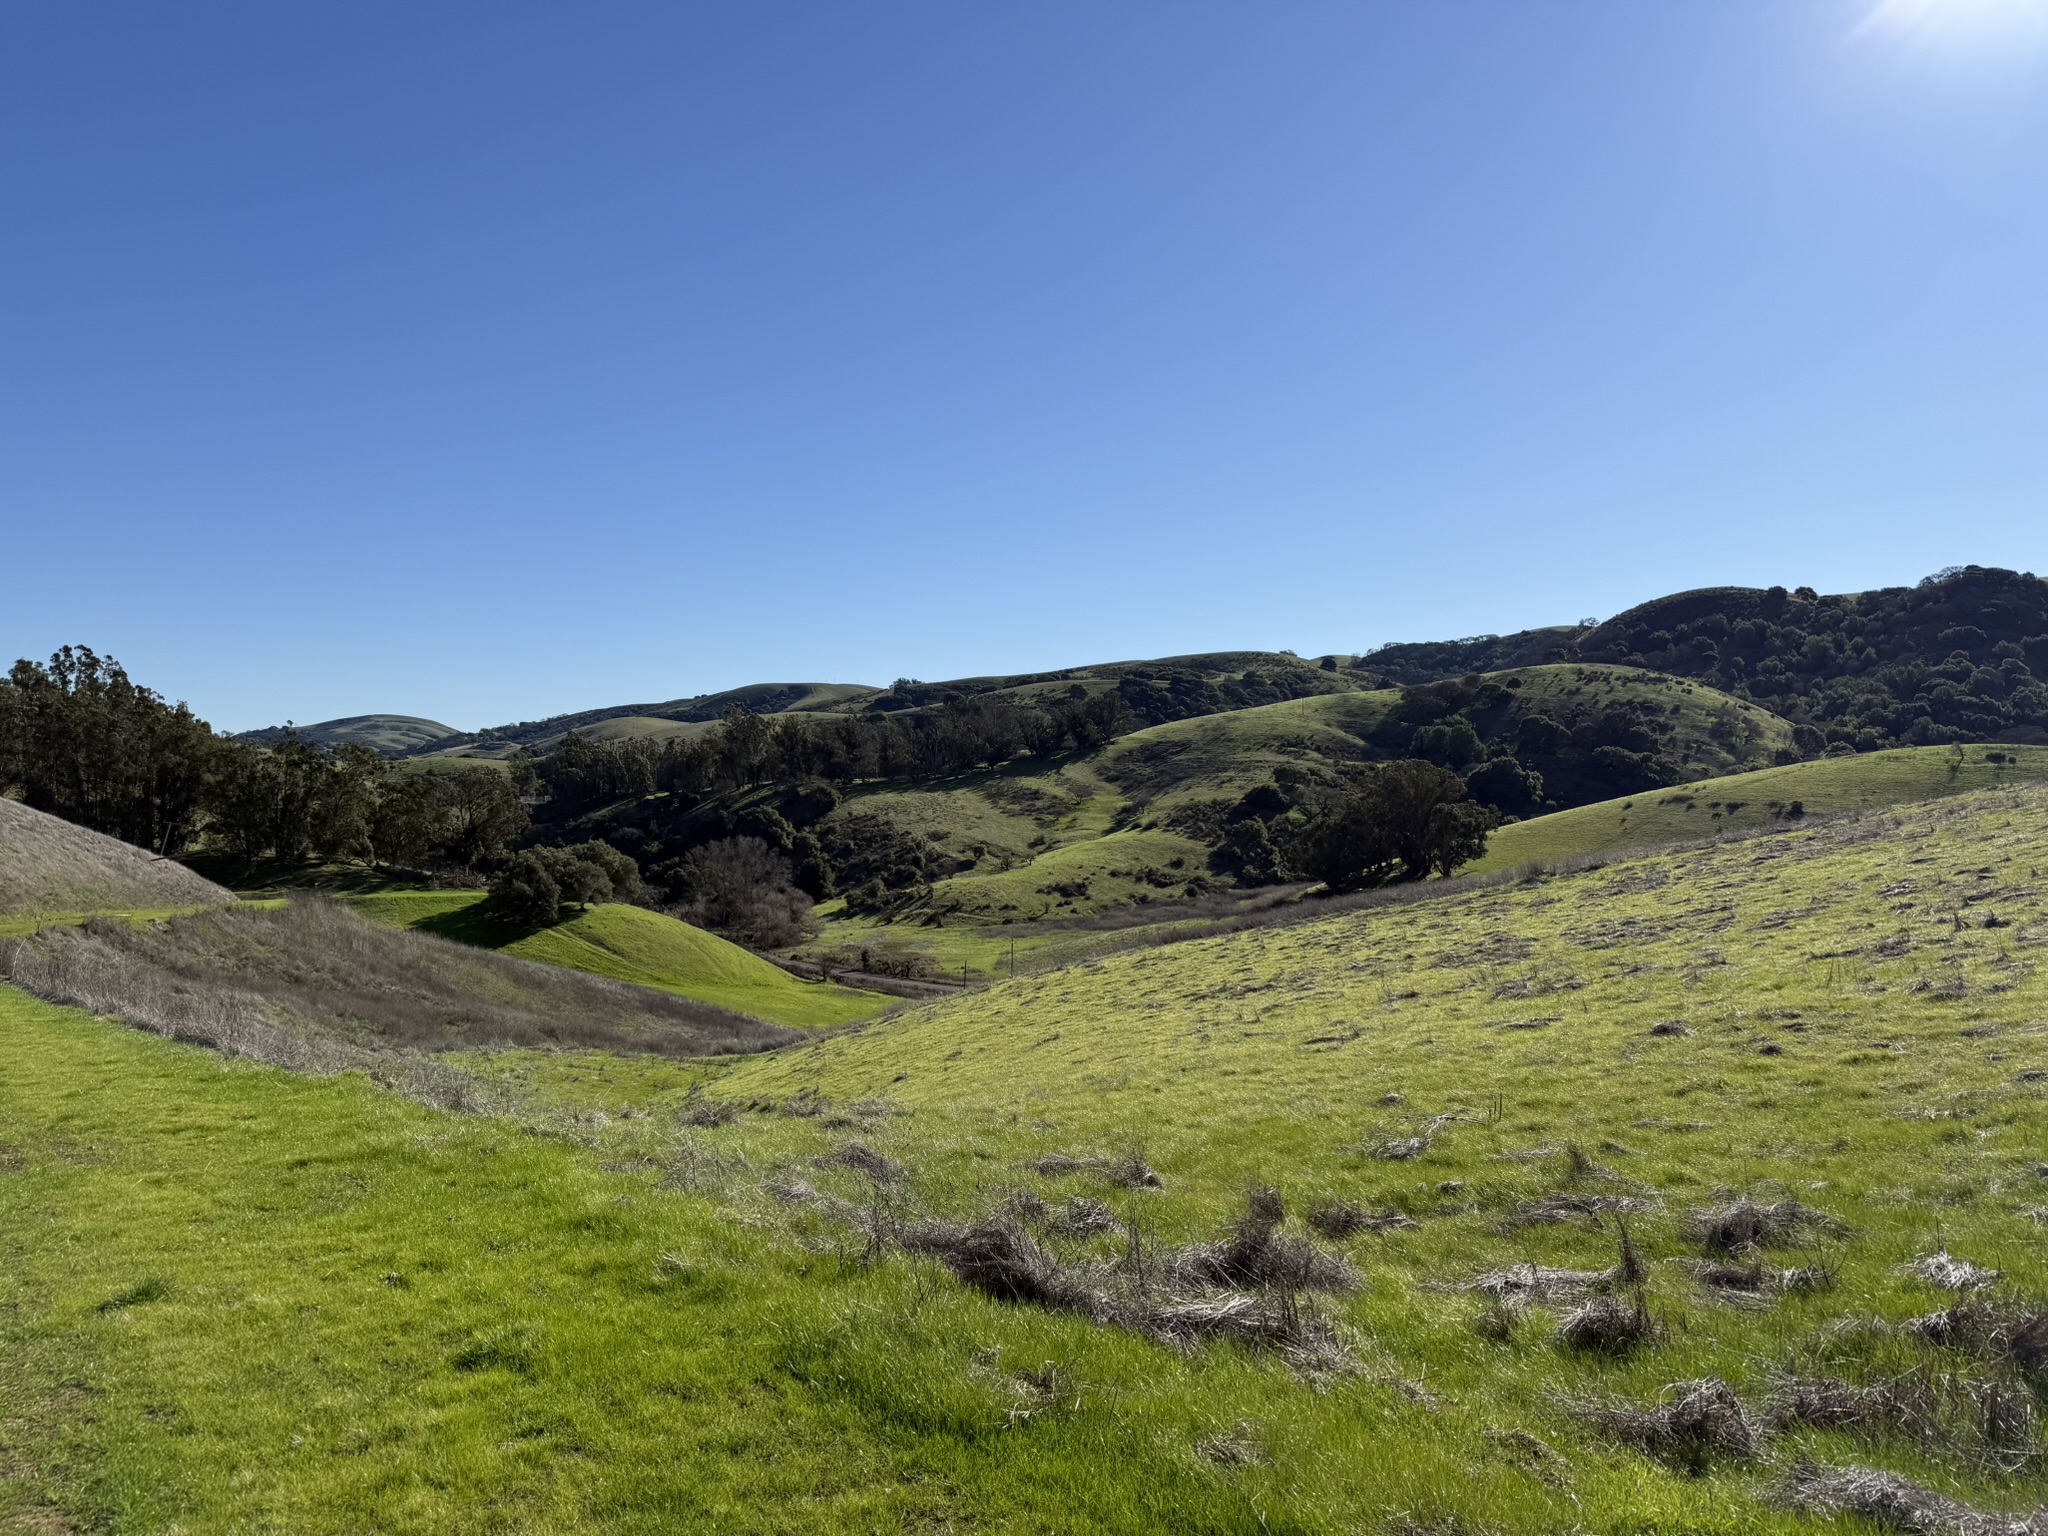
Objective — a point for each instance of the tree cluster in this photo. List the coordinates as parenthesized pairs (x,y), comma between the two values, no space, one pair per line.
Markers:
(538,883)
(1960,657)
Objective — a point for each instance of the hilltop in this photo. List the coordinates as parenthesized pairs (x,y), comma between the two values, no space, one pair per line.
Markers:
(393,735)
(49,866)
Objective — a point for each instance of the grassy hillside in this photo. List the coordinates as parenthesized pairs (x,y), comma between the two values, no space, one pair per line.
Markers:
(300,1305)
(649,949)
(49,866)
(1829,786)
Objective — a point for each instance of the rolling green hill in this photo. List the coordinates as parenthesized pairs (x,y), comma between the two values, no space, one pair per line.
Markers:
(1771,796)
(989,1264)
(50,867)
(632,944)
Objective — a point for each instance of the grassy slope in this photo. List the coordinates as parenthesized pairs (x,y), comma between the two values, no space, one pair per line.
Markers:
(633,944)
(536,1363)
(1829,786)
(47,865)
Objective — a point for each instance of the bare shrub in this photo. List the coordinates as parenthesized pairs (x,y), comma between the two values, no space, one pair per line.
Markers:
(1695,1424)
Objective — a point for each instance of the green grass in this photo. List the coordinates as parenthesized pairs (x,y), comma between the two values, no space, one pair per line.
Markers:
(636,945)
(1863,1038)
(1829,786)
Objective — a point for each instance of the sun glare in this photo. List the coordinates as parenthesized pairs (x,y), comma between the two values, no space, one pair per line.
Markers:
(1981,18)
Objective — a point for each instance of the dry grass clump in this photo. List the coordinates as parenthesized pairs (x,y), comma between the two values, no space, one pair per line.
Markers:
(1239,1446)
(1339,1219)
(1083,1217)
(1999,1331)
(1247,1289)
(1608,1324)
(860,1158)
(1401,1149)
(313,987)
(1990,1422)
(1259,1254)
(1532,1283)
(1950,1273)
(1552,1210)
(1744,1224)
(700,1110)
(1894,1503)
(1696,1423)
(1128,1169)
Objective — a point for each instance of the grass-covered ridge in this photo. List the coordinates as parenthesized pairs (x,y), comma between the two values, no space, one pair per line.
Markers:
(1770,796)
(649,949)
(1848,1016)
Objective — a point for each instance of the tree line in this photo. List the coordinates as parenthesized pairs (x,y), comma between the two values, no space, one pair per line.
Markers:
(83,741)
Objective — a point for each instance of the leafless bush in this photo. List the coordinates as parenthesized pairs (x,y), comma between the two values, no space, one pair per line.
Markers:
(1695,1424)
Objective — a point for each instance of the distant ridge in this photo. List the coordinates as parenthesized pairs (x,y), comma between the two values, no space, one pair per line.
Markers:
(393,735)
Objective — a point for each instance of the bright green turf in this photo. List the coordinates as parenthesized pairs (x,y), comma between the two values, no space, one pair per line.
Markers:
(537,1364)
(18,926)
(633,944)
(1828,786)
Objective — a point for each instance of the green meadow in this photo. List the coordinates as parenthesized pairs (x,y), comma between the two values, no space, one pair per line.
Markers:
(708,1295)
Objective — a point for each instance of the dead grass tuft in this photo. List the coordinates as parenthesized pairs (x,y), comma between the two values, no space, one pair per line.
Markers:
(1950,1273)
(863,1159)
(1893,1503)
(1608,1324)
(1744,1224)
(1339,1219)
(1260,1255)
(1696,1423)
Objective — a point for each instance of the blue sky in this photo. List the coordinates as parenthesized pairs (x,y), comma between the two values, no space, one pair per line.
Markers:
(483,361)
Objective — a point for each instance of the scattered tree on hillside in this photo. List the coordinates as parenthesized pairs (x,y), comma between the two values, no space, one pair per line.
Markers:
(1406,820)
(537,883)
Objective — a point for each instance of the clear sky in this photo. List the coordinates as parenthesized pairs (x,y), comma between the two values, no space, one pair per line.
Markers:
(487,360)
